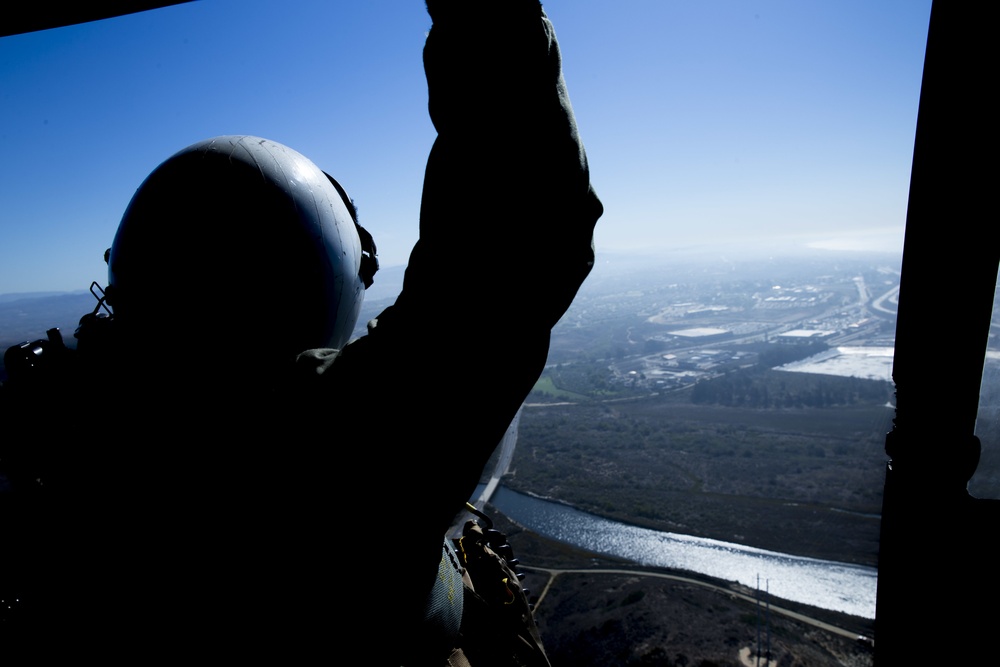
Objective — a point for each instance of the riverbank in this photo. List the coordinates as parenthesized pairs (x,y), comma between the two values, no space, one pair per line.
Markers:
(846,588)
(630,617)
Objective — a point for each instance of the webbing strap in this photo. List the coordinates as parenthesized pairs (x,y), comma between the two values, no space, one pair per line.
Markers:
(445,603)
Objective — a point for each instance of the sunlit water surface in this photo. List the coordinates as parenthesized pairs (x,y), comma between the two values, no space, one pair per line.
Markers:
(826,584)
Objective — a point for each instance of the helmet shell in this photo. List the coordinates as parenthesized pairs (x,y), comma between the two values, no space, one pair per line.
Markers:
(238,241)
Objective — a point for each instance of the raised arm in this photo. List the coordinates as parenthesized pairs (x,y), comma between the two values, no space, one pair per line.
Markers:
(508,211)
(506,229)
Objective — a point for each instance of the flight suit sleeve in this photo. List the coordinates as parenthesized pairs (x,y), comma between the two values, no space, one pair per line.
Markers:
(506,226)
(507,212)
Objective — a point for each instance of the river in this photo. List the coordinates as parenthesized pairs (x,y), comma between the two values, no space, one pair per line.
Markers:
(825,584)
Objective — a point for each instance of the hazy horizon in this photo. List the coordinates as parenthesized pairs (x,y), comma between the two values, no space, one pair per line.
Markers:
(389,279)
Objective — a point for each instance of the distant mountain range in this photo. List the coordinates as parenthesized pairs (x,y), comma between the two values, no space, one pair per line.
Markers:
(28,316)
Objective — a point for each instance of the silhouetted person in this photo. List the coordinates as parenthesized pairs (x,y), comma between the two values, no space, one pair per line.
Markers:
(238,500)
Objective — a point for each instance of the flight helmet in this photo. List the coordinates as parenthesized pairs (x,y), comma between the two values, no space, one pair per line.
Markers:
(241,244)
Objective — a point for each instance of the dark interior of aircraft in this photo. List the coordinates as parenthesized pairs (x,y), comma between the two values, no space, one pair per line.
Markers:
(930,523)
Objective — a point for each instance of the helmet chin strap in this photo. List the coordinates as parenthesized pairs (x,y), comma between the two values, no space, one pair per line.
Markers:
(369,258)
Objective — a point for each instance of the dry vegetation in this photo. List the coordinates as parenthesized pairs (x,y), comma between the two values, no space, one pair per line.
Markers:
(736,474)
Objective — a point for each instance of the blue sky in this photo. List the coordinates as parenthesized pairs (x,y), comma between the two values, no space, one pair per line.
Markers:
(705,121)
